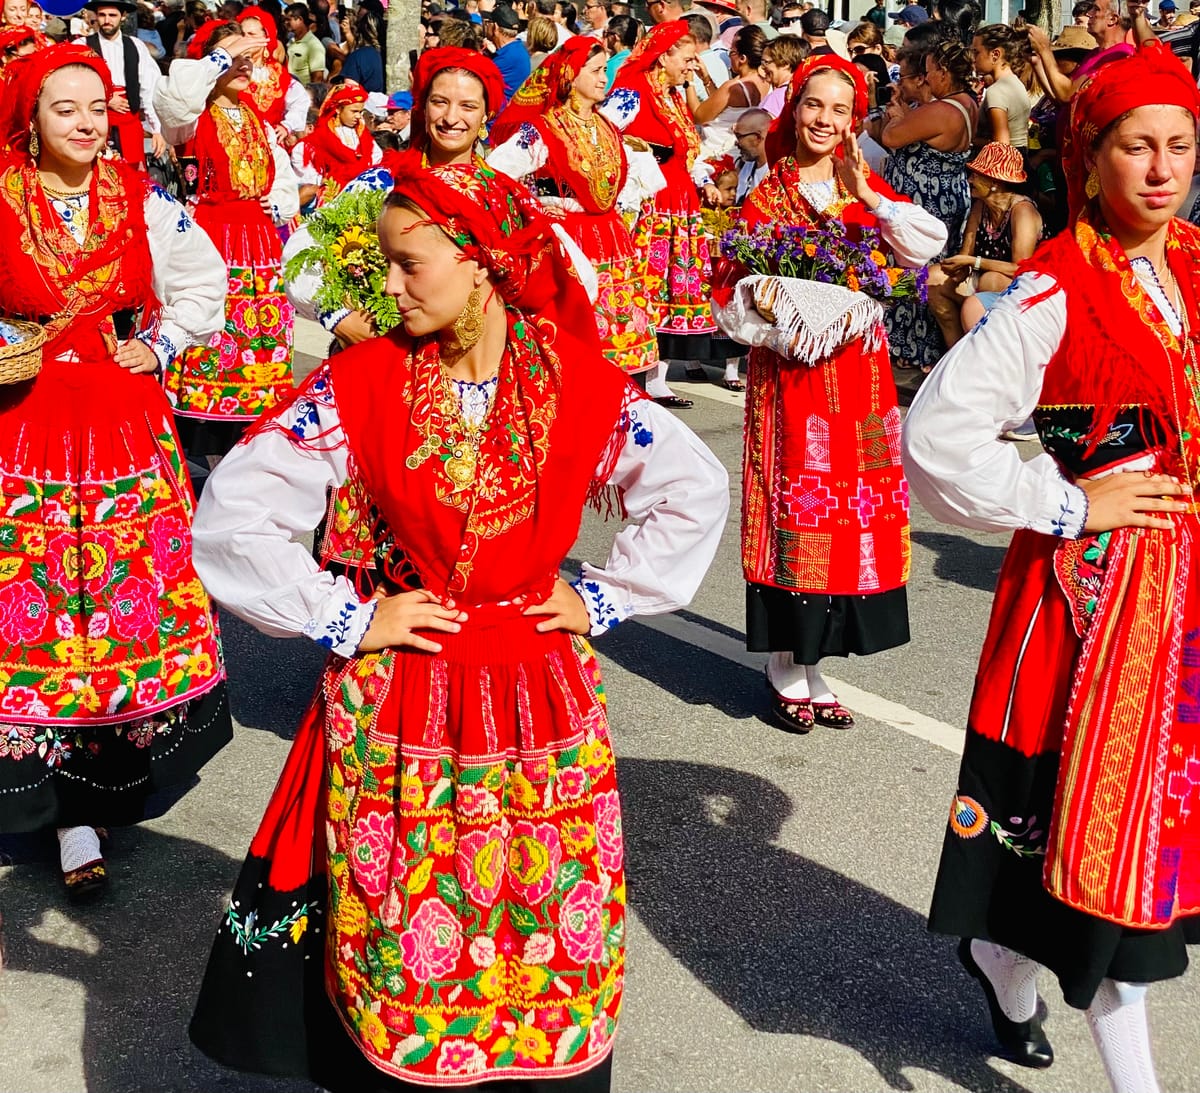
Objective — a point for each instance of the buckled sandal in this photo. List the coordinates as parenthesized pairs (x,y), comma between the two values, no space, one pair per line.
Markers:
(833,715)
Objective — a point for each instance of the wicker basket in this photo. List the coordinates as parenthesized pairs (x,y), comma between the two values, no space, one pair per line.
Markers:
(22,360)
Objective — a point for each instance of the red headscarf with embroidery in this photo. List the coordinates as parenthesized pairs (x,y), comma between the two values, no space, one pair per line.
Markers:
(661,108)
(200,44)
(270,92)
(1153,75)
(781,137)
(324,149)
(435,61)
(555,417)
(265,21)
(25,78)
(658,40)
(548,85)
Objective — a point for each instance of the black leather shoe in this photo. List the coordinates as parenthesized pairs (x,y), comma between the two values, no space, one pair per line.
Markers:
(1023,1042)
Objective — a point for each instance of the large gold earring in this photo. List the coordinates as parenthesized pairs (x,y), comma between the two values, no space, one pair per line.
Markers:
(483,133)
(468,327)
(1092,186)
(35,145)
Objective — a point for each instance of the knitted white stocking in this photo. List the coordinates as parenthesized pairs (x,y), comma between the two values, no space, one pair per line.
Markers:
(78,846)
(1117,1017)
(788,678)
(1013,977)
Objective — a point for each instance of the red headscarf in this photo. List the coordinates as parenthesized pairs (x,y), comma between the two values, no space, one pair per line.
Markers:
(25,78)
(659,39)
(548,85)
(781,137)
(1151,76)
(433,61)
(268,25)
(326,151)
(197,47)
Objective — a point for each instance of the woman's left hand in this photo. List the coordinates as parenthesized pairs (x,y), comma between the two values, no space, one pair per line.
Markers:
(852,169)
(137,356)
(564,610)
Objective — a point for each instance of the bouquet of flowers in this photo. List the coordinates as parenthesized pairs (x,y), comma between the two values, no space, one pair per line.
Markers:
(812,254)
(346,254)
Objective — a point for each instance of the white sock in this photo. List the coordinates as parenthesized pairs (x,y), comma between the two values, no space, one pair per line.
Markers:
(656,381)
(789,679)
(731,368)
(77,846)
(817,687)
(1117,1017)
(1013,977)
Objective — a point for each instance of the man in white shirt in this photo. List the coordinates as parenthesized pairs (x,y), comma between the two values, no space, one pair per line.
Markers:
(131,116)
(595,18)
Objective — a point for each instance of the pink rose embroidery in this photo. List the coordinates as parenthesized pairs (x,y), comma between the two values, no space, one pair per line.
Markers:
(461,1057)
(609,837)
(579,922)
(23,610)
(474,801)
(371,850)
(22,702)
(432,943)
(134,609)
(170,543)
(571,784)
(340,727)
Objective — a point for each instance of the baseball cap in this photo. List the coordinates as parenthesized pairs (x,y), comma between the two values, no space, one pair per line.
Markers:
(913,15)
(503,16)
(400,100)
(1166,5)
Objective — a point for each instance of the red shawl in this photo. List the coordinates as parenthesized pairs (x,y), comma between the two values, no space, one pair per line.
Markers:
(548,85)
(325,151)
(269,94)
(663,117)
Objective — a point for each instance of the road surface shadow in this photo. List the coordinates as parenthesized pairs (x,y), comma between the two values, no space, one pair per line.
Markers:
(958,559)
(790,945)
(271,680)
(150,936)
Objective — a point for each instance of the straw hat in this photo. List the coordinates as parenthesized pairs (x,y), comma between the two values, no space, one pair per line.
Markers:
(1001,162)
(1074,38)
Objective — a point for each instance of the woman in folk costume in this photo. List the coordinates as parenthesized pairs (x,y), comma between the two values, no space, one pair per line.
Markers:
(552,137)
(339,148)
(825,542)
(444,842)
(281,99)
(244,190)
(1073,836)
(113,684)
(669,234)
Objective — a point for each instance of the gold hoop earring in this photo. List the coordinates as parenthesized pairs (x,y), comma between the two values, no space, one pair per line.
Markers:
(35,145)
(1092,186)
(468,327)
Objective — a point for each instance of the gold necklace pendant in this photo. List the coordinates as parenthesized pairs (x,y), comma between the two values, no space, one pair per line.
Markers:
(462,463)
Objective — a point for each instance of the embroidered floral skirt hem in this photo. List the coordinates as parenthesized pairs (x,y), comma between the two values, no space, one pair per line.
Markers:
(1005,815)
(678,271)
(813,625)
(246,368)
(464,811)
(108,645)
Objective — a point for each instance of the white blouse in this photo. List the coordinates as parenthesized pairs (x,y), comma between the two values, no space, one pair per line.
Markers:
(267,493)
(989,382)
(182,96)
(188,274)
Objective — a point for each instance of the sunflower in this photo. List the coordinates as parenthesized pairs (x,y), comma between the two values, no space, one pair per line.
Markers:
(348,245)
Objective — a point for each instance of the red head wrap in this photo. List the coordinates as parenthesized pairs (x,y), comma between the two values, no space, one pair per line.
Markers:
(26,77)
(198,46)
(659,40)
(781,137)
(548,85)
(346,94)
(1151,76)
(14,36)
(433,61)
(268,25)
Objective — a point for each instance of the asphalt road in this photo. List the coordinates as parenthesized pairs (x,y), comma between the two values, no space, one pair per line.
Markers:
(778,884)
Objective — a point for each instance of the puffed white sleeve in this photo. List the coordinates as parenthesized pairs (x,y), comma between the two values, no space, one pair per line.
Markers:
(296,104)
(956,463)
(285,191)
(521,155)
(261,498)
(621,106)
(306,174)
(189,277)
(915,235)
(676,492)
(181,96)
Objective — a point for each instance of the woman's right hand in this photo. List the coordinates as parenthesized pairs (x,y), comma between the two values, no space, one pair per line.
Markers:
(356,327)
(1134,499)
(398,618)
(247,43)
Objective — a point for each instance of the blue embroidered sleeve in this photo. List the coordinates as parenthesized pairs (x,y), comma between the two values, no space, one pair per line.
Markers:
(603,612)
(342,631)
(221,59)
(163,347)
(376,178)
(620,106)
(330,319)
(887,208)
(303,417)
(1072,514)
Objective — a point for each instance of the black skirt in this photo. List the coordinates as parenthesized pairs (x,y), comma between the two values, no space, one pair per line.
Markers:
(812,625)
(698,347)
(989,883)
(104,775)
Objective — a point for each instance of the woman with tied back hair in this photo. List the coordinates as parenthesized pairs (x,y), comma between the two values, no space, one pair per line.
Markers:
(540,39)
(961,17)
(930,144)
(442,858)
(244,191)
(1073,840)
(999,53)
(746,88)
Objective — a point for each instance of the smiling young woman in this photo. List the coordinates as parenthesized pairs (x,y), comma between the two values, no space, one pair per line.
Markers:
(1073,833)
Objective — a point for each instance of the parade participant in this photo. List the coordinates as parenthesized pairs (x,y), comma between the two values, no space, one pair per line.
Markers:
(15,42)
(472,849)
(670,233)
(131,114)
(280,98)
(340,147)
(1072,837)
(113,684)
(245,188)
(572,157)
(823,434)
